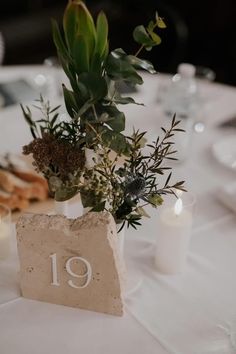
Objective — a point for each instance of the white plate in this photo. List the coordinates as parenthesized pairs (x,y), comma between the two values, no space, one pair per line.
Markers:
(225,152)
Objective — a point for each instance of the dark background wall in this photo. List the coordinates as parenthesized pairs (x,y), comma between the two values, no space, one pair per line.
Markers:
(200,32)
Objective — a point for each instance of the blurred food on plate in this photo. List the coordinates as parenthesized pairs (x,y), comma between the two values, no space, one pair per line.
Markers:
(19,183)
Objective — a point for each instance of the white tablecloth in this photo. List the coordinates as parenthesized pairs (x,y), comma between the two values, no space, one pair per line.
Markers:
(192,313)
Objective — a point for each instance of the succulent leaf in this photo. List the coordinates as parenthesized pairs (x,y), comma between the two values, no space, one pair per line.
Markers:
(86,26)
(70,101)
(81,54)
(70,24)
(58,41)
(102,34)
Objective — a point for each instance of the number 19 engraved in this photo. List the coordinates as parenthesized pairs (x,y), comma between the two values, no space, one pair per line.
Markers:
(87,275)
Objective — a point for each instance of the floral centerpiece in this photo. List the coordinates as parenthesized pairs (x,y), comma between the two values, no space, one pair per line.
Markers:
(124,182)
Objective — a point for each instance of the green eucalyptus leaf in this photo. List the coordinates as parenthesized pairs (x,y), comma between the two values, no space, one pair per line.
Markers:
(115,141)
(110,115)
(156,16)
(54,183)
(119,53)
(117,119)
(125,100)
(118,99)
(65,193)
(141,64)
(141,36)
(160,22)
(155,38)
(119,69)
(89,199)
(151,26)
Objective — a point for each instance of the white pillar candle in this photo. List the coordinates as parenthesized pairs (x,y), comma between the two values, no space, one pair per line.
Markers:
(5,232)
(174,232)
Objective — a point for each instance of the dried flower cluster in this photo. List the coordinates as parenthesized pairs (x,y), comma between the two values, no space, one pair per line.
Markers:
(53,156)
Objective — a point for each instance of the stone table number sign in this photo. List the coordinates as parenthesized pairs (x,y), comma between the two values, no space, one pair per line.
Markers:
(72,262)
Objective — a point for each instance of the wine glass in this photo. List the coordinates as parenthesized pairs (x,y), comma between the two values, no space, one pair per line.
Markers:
(203,75)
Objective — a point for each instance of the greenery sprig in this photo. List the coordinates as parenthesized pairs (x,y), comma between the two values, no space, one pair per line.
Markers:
(125,190)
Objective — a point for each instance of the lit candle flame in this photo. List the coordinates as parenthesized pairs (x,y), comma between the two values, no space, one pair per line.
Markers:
(178,207)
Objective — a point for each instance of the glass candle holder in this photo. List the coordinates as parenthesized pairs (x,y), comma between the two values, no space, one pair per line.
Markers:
(5,231)
(174,231)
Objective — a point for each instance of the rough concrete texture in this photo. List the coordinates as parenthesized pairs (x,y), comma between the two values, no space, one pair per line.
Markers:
(43,240)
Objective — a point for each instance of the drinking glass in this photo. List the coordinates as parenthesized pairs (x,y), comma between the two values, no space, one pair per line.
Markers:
(5,231)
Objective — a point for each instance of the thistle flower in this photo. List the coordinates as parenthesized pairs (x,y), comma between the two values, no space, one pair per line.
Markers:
(135,187)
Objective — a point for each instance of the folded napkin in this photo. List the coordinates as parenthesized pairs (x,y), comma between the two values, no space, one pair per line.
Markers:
(227,195)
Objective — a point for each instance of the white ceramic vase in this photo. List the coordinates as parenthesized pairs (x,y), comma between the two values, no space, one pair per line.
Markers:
(121,240)
(61,208)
